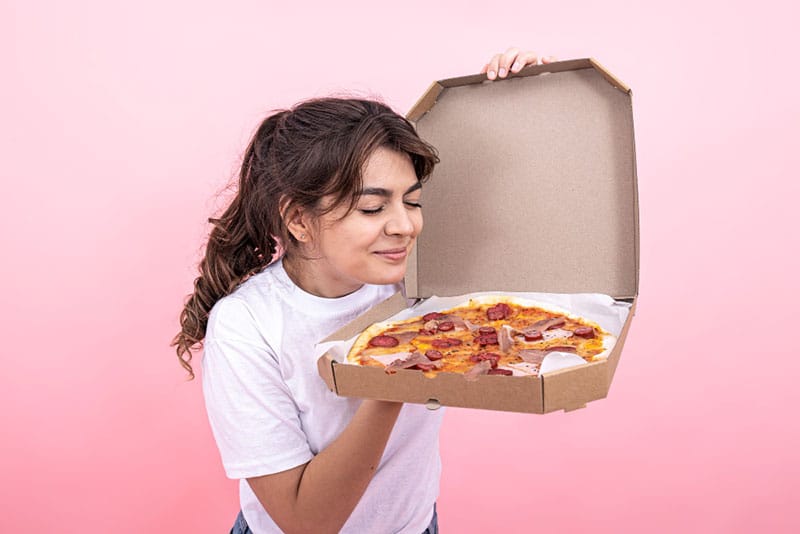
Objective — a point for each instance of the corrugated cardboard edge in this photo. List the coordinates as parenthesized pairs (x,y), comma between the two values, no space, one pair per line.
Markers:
(635,207)
(613,359)
(325,367)
(428,99)
(425,102)
(613,80)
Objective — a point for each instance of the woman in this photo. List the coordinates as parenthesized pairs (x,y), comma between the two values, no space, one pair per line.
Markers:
(337,182)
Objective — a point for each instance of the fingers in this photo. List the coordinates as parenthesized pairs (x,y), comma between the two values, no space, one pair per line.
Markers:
(491,67)
(512,61)
(523,59)
(506,60)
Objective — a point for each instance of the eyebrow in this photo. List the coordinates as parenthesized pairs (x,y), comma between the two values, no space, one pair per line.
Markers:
(381,192)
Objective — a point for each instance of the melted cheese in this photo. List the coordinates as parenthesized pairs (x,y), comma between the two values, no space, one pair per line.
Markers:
(457,359)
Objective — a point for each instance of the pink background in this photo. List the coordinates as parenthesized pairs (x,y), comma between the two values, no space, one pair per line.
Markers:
(121,124)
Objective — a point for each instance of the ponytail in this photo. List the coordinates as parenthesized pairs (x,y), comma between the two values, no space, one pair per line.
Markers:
(237,248)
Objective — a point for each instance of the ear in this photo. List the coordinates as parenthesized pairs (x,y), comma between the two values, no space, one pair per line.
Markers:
(297,221)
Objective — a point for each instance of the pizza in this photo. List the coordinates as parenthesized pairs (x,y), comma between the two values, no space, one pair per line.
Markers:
(495,335)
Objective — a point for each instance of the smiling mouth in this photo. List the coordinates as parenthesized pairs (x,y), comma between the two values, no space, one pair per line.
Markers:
(393,254)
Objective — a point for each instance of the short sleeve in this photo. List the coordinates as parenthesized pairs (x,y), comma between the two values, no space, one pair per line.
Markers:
(253,416)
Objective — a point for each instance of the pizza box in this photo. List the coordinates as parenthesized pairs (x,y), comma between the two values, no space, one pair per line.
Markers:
(535,192)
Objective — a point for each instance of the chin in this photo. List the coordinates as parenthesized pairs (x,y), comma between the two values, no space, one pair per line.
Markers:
(384,278)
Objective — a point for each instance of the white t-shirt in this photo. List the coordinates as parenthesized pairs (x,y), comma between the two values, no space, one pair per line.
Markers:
(270,411)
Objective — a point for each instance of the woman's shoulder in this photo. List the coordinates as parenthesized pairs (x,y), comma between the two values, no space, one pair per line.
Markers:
(240,313)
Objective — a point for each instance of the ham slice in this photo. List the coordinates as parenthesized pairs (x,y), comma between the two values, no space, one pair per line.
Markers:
(546,324)
(562,348)
(532,356)
(458,322)
(404,337)
(504,338)
(557,333)
(480,368)
(541,326)
(415,358)
(471,327)
(536,356)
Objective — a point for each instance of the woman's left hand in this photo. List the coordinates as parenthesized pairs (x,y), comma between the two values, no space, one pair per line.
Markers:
(512,61)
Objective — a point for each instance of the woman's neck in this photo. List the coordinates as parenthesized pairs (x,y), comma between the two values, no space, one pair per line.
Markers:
(303,273)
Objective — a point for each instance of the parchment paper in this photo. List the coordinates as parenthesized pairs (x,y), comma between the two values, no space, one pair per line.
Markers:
(602,309)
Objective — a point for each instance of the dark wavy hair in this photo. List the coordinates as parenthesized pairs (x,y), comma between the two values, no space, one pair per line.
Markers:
(316,149)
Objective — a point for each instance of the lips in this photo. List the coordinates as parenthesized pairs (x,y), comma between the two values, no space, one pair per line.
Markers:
(394,254)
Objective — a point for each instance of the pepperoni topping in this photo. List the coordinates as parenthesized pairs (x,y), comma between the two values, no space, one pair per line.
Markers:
(424,366)
(426,332)
(487,330)
(494,314)
(433,355)
(446,326)
(486,339)
(585,331)
(445,342)
(498,311)
(504,372)
(486,356)
(383,341)
(533,335)
(432,316)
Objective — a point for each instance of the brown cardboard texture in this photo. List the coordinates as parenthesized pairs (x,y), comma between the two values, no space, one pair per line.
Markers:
(535,192)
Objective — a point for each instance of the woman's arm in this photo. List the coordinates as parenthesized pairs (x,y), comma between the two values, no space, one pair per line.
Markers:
(320,495)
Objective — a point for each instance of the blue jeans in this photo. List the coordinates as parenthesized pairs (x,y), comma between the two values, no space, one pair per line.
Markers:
(241,527)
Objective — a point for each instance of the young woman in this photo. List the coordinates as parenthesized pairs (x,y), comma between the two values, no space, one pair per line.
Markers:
(335,185)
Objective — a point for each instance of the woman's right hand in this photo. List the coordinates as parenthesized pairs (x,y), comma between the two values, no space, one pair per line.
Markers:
(512,61)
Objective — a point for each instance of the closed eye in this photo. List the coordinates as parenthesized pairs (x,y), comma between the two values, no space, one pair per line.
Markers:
(374,211)
(371,211)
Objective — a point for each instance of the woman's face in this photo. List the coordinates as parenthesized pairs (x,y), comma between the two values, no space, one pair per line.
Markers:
(371,244)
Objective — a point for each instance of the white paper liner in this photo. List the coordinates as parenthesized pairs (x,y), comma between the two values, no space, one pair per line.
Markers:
(601,309)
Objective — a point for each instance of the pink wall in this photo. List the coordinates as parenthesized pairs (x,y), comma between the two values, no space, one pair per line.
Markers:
(120,124)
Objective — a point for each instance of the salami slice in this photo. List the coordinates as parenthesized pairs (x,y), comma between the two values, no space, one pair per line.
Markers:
(384,341)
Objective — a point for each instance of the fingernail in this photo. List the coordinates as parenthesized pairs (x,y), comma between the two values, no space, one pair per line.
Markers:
(502,72)
(491,74)
(516,66)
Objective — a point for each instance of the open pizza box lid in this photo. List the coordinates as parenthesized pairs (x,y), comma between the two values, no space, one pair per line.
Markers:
(535,192)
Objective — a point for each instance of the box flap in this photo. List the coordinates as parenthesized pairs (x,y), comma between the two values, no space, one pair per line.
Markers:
(536,189)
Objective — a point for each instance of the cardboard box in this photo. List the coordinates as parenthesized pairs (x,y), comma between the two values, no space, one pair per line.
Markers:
(536,191)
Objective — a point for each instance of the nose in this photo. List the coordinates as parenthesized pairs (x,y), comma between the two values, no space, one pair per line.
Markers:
(400,222)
